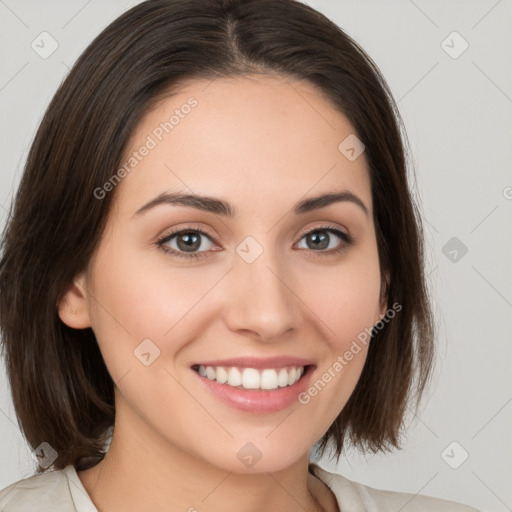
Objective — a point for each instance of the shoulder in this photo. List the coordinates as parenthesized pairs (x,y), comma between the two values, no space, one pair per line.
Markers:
(356,497)
(43,492)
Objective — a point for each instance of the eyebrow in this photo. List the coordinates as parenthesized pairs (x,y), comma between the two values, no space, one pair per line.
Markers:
(220,207)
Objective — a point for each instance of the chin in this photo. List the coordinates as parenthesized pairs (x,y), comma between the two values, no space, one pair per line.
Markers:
(246,457)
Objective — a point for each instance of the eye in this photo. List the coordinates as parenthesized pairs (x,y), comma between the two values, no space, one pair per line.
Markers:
(187,241)
(319,239)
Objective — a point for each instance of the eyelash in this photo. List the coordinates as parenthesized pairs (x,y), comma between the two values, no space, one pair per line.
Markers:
(347,241)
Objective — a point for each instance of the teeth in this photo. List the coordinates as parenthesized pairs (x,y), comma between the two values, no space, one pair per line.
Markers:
(235,377)
(221,375)
(251,378)
(268,379)
(282,379)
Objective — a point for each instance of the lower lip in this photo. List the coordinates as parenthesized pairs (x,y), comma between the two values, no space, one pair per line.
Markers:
(258,401)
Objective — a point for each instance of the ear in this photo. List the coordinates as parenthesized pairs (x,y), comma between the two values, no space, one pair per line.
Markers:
(73,308)
(384,294)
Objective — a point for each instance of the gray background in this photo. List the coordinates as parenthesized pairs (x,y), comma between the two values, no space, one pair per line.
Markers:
(458,112)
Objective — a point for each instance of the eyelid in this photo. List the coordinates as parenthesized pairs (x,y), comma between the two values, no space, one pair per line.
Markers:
(326,227)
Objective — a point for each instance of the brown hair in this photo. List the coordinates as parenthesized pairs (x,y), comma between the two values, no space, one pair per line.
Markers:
(61,389)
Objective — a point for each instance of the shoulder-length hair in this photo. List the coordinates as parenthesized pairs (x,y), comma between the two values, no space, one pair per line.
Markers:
(61,389)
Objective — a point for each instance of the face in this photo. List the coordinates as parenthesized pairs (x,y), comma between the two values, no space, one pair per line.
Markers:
(275,290)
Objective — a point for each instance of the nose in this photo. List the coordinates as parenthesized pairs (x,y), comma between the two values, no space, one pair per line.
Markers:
(262,299)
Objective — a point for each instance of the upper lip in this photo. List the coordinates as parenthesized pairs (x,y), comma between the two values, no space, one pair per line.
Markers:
(257,362)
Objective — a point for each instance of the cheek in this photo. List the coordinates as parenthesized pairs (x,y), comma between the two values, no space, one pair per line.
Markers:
(346,303)
(135,299)
(346,300)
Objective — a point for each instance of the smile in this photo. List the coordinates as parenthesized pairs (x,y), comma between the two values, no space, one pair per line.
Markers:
(252,378)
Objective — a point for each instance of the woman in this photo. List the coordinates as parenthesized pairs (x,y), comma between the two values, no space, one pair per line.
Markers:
(214,258)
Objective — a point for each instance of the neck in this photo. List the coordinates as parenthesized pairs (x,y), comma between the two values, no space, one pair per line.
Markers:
(143,472)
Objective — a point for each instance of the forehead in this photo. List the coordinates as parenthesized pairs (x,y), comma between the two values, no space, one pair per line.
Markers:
(246,137)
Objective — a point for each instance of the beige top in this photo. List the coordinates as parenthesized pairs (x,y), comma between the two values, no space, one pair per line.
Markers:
(62,491)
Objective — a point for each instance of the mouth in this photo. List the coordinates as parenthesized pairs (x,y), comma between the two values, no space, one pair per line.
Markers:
(253,384)
(255,379)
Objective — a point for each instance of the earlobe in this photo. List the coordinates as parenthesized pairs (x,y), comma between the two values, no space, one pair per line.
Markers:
(73,307)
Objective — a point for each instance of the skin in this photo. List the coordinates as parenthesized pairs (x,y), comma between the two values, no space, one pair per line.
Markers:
(262,143)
